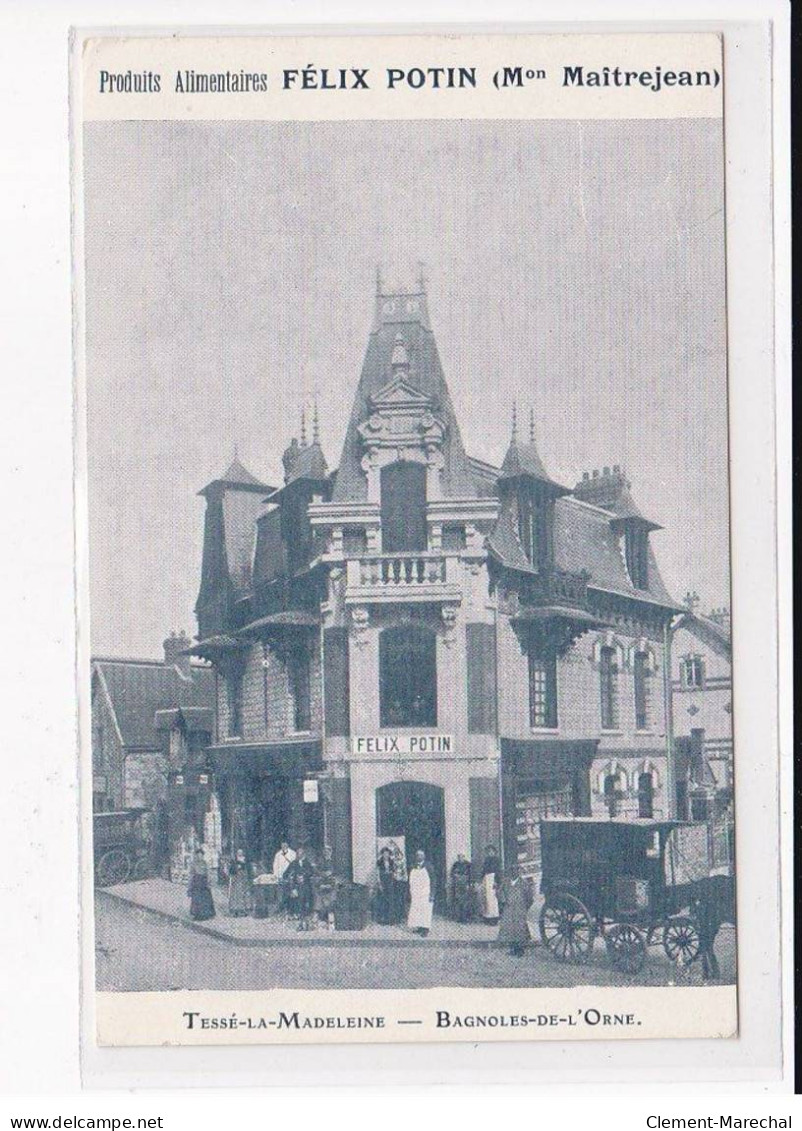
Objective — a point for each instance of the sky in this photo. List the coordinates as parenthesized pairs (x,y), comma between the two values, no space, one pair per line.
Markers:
(574,267)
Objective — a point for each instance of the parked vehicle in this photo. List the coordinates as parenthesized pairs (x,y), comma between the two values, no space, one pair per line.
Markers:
(634,884)
(123,846)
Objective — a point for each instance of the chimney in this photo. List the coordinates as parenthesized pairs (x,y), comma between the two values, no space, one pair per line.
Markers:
(174,646)
(602,488)
(721,617)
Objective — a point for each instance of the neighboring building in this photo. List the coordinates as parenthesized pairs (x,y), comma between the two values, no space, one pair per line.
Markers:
(128,757)
(421,644)
(701,652)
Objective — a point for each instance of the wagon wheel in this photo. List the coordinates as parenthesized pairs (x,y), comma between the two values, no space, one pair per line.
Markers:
(113,868)
(681,940)
(141,868)
(567,929)
(626,947)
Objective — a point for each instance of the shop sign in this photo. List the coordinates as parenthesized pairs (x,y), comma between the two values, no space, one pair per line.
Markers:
(311,790)
(403,744)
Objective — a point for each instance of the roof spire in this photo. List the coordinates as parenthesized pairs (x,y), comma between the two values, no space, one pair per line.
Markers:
(421,278)
(522,459)
(303,426)
(378,279)
(315,423)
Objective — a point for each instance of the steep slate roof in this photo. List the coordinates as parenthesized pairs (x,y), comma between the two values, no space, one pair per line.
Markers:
(137,689)
(716,635)
(523,459)
(239,476)
(237,499)
(584,539)
(404,315)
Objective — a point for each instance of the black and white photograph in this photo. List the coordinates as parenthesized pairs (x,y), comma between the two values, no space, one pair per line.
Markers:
(408,501)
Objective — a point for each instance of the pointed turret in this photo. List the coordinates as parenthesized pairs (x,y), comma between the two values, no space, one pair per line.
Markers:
(233,502)
(402,364)
(303,460)
(522,461)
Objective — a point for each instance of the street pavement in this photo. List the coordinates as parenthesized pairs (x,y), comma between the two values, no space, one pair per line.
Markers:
(138,950)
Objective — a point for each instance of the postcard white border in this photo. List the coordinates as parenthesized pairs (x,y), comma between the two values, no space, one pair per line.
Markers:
(42,995)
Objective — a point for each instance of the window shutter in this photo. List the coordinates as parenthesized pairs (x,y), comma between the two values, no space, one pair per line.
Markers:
(336,680)
(485,828)
(481,664)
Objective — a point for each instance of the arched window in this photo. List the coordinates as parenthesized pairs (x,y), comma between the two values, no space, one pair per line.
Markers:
(408,677)
(645,795)
(403,507)
(608,688)
(642,674)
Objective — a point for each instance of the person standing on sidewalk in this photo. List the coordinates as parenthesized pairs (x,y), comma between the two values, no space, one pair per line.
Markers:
(514,927)
(461,889)
(201,904)
(709,922)
(239,886)
(299,884)
(488,887)
(421,896)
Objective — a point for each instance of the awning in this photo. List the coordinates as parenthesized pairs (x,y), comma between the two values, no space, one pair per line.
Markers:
(294,618)
(544,757)
(286,758)
(211,646)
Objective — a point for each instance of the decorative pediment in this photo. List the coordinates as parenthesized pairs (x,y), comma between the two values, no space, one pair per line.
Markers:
(401,418)
(400,394)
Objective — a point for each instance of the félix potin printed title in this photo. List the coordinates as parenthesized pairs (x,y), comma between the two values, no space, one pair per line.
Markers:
(327,79)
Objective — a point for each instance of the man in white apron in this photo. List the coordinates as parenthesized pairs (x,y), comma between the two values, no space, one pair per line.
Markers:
(421,896)
(489,885)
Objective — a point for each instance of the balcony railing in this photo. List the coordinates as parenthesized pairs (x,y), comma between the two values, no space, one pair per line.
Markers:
(422,576)
(557,587)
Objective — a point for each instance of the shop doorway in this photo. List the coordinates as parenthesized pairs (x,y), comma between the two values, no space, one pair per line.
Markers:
(416,811)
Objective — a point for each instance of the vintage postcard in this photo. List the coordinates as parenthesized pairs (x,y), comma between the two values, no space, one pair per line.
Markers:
(403,444)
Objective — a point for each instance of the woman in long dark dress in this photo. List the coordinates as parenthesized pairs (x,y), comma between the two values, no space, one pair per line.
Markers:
(240,900)
(385,895)
(299,880)
(201,904)
(515,897)
(461,889)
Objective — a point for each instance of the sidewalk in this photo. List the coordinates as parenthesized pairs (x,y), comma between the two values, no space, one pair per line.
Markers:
(170,901)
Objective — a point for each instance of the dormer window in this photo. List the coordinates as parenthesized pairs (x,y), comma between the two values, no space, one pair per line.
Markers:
(534,518)
(636,550)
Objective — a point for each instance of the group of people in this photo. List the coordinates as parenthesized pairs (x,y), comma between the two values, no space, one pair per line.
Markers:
(307,889)
(498,902)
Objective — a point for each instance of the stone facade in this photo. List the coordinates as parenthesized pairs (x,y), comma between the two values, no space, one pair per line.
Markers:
(449,650)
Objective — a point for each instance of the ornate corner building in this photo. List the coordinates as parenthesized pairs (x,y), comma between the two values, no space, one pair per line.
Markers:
(420,644)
